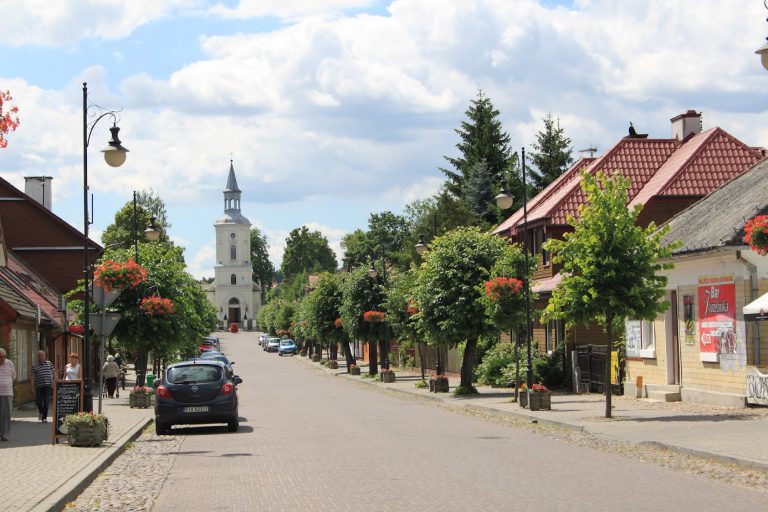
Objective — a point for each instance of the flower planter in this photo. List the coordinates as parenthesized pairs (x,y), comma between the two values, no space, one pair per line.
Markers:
(86,436)
(387,376)
(354,370)
(522,396)
(316,358)
(333,365)
(539,401)
(438,385)
(303,352)
(140,400)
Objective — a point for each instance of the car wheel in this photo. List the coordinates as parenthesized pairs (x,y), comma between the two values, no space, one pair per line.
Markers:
(161,429)
(233,425)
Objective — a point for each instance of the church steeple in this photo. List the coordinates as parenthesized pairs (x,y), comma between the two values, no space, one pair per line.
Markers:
(232,192)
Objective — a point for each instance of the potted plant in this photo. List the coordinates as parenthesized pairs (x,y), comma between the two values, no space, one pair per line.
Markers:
(354,369)
(387,375)
(333,364)
(373,317)
(756,234)
(86,429)
(522,394)
(113,274)
(539,398)
(438,383)
(140,397)
(233,327)
(157,307)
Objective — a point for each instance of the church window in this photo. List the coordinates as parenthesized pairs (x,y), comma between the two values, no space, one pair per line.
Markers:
(233,252)
(233,279)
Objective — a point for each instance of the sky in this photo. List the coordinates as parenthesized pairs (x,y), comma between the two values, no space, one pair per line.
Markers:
(334,109)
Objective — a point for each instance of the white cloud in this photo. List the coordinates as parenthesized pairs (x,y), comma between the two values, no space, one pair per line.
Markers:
(287,9)
(202,262)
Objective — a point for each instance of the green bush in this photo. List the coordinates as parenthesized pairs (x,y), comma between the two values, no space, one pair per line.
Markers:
(549,369)
(498,368)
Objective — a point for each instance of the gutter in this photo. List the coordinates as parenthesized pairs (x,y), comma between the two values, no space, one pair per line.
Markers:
(753,280)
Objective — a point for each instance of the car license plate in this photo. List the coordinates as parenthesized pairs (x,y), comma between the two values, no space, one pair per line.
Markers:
(202,408)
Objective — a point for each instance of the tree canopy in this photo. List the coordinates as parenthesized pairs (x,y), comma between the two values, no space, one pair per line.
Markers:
(121,231)
(552,154)
(306,251)
(263,269)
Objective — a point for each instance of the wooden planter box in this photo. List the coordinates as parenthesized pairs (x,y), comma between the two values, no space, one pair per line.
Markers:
(303,352)
(387,376)
(140,400)
(316,358)
(522,396)
(86,436)
(539,401)
(438,385)
(333,365)
(354,371)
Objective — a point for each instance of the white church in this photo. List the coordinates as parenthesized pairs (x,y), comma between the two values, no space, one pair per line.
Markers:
(233,293)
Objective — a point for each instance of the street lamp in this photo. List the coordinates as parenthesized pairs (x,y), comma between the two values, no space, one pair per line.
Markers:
(114,155)
(373,274)
(763,50)
(504,201)
(421,248)
(152,234)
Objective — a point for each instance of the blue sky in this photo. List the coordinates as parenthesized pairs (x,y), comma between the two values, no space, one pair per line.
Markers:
(335,109)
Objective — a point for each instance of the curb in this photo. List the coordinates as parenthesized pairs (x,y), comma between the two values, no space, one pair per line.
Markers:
(56,501)
(714,456)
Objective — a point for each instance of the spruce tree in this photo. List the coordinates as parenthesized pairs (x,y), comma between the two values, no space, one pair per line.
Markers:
(552,154)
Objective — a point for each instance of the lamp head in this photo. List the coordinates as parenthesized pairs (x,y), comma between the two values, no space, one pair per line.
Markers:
(372,272)
(421,247)
(152,233)
(114,153)
(763,53)
(504,200)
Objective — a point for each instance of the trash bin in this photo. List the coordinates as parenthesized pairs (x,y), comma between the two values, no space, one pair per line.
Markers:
(150,380)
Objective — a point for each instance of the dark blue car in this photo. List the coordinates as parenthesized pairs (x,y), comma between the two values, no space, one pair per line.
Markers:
(287,347)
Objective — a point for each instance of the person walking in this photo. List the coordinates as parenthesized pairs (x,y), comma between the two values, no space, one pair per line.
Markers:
(7,376)
(110,371)
(42,380)
(73,370)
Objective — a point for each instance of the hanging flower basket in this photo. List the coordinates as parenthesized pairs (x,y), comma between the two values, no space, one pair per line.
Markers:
(118,275)
(337,324)
(157,306)
(756,234)
(373,317)
(9,120)
(411,309)
(500,287)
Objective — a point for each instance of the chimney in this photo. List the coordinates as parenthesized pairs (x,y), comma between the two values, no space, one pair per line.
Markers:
(39,189)
(685,125)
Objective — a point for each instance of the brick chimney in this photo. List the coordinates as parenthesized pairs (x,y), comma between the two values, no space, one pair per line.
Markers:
(685,125)
(39,189)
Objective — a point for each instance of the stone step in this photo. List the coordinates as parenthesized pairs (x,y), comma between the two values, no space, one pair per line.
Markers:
(664,396)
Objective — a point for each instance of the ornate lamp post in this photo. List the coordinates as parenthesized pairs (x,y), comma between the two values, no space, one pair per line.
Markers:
(421,248)
(152,234)
(114,155)
(763,50)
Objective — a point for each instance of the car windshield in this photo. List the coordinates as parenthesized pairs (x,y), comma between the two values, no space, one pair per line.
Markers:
(197,374)
(286,342)
(274,340)
(207,342)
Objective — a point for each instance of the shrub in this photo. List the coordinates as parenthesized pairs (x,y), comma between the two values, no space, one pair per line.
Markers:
(549,369)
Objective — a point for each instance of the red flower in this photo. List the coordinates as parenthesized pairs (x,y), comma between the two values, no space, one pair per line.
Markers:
(499,287)
(539,388)
(116,274)
(373,317)
(411,309)
(337,323)
(157,306)
(756,234)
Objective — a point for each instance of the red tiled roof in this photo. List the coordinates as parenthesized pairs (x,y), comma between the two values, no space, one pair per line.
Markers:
(31,286)
(655,167)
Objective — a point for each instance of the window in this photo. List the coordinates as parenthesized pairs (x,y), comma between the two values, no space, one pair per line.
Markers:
(233,252)
(554,334)
(233,279)
(20,342)
(640,339)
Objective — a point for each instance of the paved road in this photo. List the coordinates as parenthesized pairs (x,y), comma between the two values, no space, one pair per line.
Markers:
(309,441)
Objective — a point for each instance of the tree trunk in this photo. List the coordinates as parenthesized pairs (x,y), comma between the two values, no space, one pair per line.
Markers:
(422,346)
(334,351)
(372,361)
(608,383)
(383,354)
(468,364)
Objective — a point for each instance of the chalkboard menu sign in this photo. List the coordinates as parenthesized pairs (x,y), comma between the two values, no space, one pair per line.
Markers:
(67,399)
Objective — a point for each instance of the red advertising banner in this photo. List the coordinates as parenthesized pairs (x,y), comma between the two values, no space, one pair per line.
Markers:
(717,317)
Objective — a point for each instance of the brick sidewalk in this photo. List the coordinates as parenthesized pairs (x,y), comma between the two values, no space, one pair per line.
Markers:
(733,436)
(40,476)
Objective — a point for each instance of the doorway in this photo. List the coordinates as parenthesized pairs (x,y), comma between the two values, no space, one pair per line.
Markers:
(234,311)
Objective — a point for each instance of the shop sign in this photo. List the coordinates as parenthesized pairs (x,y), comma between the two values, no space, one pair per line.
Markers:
(717,317)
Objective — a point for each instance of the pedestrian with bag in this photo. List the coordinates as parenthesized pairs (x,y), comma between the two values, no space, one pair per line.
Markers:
(7,376)
(42,380)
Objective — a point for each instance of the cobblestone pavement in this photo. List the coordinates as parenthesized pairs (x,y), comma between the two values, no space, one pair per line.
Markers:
(134,480)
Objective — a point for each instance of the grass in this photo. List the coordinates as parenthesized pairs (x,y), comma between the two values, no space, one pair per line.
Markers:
(421,384)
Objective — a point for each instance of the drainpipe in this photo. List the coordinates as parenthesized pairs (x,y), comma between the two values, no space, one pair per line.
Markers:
(753,279)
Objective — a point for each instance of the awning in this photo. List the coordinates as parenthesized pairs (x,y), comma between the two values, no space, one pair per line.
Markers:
(757,309)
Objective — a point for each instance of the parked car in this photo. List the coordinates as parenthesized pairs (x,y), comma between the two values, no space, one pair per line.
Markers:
(263,339)
(218,356)
(272,345)
(215,340)
(208,344)
(287,347)
(196,392)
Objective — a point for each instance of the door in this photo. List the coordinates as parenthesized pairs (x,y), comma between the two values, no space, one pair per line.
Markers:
(673,344)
